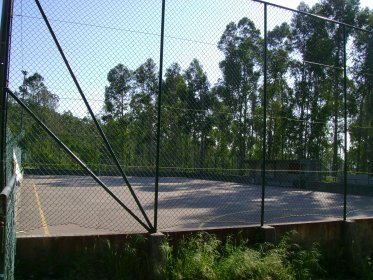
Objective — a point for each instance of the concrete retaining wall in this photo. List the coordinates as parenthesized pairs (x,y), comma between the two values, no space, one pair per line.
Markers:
(356,236)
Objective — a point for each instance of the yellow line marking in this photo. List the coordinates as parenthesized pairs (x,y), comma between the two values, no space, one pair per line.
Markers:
(41,212)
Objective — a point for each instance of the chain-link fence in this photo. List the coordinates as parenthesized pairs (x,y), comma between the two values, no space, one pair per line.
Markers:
(8,208)
(8,229)
(143,115)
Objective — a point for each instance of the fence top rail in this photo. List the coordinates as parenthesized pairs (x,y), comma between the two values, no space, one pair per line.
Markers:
(315,16)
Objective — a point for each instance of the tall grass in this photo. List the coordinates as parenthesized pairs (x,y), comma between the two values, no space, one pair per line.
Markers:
(203,256)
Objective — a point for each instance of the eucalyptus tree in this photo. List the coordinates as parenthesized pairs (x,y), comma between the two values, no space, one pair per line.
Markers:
(199,105)
(342,11)
(312,69)
(34,91)
(361,128)
(241,44)
(142,112)
(221,132)
(129,112)
(115,116)
(118,93)
(280,95)
(176,146)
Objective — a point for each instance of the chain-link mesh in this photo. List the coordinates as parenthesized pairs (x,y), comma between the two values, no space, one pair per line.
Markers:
(8,208)
(304,118)
(360,121)
(120,88)
(214,136)
(205,114)
(8,199)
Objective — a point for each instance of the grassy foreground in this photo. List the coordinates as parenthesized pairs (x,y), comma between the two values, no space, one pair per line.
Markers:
(199,256)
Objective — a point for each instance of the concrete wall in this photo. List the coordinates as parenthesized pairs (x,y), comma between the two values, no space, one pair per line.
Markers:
(356,236)
(357,179)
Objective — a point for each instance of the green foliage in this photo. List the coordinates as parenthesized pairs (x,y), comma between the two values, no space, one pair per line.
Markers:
(34,92)
(195,259)
(245,263)
(203,256)
(367,268)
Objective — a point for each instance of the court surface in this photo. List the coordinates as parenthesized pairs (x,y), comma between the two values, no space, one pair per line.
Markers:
(56,205)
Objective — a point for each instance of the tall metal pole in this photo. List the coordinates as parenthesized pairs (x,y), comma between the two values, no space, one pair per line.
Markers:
(159,108)
(264,151)
(6,23)
(345,123)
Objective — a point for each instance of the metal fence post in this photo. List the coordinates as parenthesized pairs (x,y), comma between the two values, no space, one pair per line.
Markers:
(345,124)
(6,23)
(159,107)
(264,117)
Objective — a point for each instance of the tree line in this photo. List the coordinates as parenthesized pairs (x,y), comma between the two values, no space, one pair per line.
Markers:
(220,126)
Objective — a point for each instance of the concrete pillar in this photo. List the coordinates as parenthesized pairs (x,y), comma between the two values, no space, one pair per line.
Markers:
(352,243)
(156,240)
(268,234)
(349,232)
(349,238)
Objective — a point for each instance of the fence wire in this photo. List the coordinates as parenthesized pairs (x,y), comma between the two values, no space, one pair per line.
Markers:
(234,100)
(8,200)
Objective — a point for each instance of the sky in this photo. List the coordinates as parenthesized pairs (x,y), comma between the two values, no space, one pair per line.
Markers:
(293,3)
(97,35)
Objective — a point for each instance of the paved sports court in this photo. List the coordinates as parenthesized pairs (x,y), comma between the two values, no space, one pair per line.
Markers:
(74,205)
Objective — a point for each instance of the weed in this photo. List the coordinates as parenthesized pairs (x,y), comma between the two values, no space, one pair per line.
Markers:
(204,257)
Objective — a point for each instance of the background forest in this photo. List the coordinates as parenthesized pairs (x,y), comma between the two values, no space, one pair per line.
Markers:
(218,128)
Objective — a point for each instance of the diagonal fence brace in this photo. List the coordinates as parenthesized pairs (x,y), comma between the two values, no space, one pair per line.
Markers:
(74,157)
(106,141)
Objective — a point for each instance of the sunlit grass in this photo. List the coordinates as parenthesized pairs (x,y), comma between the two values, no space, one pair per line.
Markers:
(203,256)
